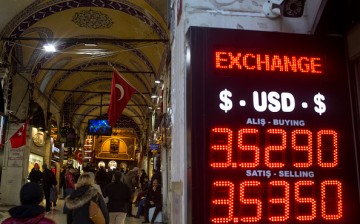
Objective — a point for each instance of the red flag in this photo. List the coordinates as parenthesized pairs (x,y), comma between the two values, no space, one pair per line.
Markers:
(19,138)
(120,95)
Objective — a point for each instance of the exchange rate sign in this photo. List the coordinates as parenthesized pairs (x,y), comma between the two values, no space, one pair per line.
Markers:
(270,129)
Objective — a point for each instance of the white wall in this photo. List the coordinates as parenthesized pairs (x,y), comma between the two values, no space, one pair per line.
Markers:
(12,176)
(248,15)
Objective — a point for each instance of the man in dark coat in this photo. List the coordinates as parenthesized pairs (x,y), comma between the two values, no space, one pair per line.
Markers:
(119,198)
(49,180)
(101,178)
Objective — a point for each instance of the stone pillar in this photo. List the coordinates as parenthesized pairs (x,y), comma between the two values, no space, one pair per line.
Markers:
(14,169)
(15,162)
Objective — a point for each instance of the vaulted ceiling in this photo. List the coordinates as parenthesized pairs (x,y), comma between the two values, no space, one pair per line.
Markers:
(92,38)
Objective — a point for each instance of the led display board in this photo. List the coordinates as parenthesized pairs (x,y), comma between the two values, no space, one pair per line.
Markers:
(99,127)
(270,129)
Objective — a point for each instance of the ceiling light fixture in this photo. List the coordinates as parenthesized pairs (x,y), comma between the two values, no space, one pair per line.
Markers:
(49,48)
(90,45)
(159,81)
(153,96)
(153,93)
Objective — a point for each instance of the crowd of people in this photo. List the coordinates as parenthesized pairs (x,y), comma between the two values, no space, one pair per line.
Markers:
(114,192)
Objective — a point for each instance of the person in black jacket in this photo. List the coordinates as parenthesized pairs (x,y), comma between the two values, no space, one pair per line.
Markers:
(35,174)
(49,180)
(143,178)
(79,201)
(119,195)
(132,180)
(101,178)
(62,185)
(31,195)
(153,199)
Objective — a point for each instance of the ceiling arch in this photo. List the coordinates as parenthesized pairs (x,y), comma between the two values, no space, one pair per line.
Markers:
(92,39)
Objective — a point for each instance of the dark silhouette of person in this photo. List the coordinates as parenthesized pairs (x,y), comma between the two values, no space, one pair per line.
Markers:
(31,195)
(153,199)
(35,174)
(49,180)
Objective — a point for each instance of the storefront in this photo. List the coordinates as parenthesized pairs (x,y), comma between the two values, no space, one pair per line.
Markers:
(37,148)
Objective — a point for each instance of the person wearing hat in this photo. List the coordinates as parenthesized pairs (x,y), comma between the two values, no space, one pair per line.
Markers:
(31,195)
(35,174)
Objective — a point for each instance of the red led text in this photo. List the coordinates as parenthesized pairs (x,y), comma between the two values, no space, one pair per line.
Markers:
(324,148)
(265,62)
(276,207)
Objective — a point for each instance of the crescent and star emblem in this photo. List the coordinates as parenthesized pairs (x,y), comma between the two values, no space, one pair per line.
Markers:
(118,86)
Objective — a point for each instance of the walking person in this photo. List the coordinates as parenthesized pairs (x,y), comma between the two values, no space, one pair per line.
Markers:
(35,174)
(119,195)
(79,201)
(69,183)
(62,185)
(49,180)
(97,187)
(101,177)
(132,180)
(31,195)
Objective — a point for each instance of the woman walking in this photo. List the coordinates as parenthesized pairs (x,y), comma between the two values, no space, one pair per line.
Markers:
(79,201)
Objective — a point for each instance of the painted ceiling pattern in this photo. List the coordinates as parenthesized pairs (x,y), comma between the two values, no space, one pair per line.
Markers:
(92,19)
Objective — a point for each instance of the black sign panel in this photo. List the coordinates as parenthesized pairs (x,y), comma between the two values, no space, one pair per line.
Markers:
(270,136)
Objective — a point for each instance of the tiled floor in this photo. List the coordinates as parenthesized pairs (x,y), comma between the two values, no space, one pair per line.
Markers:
(59,218)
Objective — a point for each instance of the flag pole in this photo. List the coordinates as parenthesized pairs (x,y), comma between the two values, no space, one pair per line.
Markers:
(149,101)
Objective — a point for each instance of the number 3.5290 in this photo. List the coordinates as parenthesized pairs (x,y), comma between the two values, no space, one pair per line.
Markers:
(304,149)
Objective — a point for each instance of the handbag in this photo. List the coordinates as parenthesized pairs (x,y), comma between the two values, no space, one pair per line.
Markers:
(95,212)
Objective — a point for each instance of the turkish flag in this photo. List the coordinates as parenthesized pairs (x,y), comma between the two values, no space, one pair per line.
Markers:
(19,138)
(121,93)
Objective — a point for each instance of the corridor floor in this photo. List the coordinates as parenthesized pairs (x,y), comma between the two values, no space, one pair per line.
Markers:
(60,218)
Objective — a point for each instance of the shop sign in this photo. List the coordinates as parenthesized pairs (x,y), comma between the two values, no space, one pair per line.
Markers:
(16,157)
(154,147)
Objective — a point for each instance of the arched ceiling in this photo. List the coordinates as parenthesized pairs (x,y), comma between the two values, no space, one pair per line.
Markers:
(92,38)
